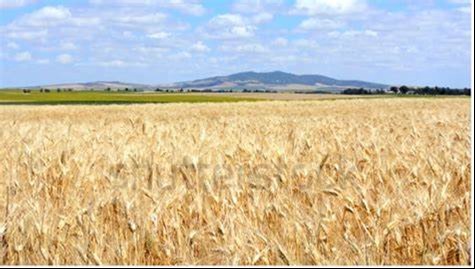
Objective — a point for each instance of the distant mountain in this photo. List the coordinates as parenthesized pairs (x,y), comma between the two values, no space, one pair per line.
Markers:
(100,85)
(277,81)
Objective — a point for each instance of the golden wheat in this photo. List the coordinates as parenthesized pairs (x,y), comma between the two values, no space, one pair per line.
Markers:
(331,182)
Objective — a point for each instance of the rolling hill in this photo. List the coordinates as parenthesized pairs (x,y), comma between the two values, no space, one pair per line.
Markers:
(277,80)
(101,85)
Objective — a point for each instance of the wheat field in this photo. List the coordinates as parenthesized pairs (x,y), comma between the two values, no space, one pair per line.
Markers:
(383,181)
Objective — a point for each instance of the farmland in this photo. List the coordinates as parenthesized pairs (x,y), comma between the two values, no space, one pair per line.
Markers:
(363,181)
(101,97)
(98,97)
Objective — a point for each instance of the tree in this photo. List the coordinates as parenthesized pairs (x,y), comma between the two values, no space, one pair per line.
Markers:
(404,89)
(394,89)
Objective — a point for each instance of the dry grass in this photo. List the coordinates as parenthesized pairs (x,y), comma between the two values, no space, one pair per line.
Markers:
(331,182)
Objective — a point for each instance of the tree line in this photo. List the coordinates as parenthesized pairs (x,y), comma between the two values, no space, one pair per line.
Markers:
(411,90)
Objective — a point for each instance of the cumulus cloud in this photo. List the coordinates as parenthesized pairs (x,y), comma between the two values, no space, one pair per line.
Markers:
(67,46)
(246,34)
(192,7)
(248,48)
(64,58)
(24,56)
(200,47)
(46,16)
(260,11)
(262,17)
(55,23)
(280,41)
(180,56)
(4,4)
(319,24)
(113,63)
(27,34)
(12,45)
(353,33)
(43,61)
(314,7)
(256,6)
(463,6)
(304,43)
(134,19)
(159,35)
(229,26)
(460,1)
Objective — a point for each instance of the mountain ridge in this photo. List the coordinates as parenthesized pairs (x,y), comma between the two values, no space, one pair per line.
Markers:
(277,80)
(250,80)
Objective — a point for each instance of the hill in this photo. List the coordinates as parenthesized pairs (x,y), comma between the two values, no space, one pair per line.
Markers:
(277,80)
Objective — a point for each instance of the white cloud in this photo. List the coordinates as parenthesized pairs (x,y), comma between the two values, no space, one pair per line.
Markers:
(12,45)
(64,59)
(192,7)
(200,47)
(229,26)
(281,42)
(128,34)
(152,51)
(313,7)
(62,16)
(371,33)
(4,4)
(353,33)
(463,6)
(27,34)
(306,44)
(256,6)
(460,1)
(181,55)
(159,35)
(46,16)
(84,21)
(142,18)
(186,6)
(320,24)
(23,57)
(244,48)
(251,48)
(113,63)
(43,61)
(67,46)
(334,34)
(465,9)
(262,17)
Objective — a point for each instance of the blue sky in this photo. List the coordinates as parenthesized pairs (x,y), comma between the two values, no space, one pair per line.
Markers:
(423,42)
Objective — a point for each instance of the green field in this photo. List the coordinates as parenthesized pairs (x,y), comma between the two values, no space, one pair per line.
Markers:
(10,97)
(96,97)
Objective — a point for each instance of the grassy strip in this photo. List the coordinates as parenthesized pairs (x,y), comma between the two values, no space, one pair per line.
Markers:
(18,97)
